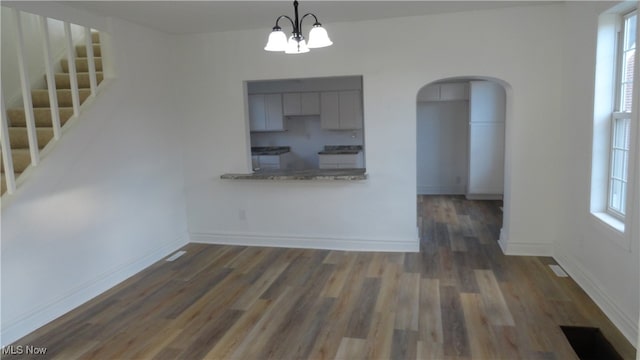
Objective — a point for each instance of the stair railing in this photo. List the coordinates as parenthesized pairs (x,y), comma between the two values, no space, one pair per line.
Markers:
(93,83)
(32,137)
(51,78)
(26,90)
(73,77)
(7,160)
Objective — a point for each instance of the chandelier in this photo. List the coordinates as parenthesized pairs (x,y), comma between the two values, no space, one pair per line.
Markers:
(296,44)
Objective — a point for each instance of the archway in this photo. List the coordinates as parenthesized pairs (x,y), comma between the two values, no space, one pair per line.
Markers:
(462,137)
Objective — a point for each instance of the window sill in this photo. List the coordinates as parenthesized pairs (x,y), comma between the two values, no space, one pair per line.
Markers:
(610,221)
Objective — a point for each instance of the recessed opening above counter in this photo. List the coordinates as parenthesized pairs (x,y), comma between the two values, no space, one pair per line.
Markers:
(293,121)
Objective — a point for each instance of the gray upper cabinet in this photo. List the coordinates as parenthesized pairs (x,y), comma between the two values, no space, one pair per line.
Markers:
(444,92)
(305,103)
(265,112)
(455,91)
(341,110)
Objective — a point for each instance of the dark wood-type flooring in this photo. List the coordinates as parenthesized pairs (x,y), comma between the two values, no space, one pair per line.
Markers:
(458,298)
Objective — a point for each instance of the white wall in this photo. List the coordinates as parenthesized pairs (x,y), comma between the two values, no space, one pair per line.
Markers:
(443,146)
(589,250)
(378,213)
(107,201)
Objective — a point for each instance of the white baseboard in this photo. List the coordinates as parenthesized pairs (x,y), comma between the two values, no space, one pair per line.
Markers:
(81,294)
(502,241)
(308,242)
(441,190)
(624,322)
(524,249)
(484,196)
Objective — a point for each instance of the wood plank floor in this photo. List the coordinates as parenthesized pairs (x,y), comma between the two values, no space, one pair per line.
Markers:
(459,298)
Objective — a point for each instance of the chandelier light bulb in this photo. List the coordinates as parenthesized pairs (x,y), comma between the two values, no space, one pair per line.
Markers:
(277,40)
(296,46)
(318,37)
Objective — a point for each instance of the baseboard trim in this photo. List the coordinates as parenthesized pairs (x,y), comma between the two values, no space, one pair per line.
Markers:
(502,241)
(627,325)
(307,242)
(81,294)
(524,249)
(441,190)
(484,196)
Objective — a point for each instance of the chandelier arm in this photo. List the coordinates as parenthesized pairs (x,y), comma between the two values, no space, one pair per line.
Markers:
(308,14)
(286,17)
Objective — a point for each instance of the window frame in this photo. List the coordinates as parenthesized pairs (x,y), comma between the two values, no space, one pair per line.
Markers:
(613,149)
(620,112)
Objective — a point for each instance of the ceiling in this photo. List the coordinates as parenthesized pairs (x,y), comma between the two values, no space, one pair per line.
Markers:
(186,17)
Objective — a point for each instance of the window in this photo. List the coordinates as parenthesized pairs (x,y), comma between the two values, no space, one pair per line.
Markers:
(612,160)
(621,119)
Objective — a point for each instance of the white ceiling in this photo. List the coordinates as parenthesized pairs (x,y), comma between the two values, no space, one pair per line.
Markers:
(185,17)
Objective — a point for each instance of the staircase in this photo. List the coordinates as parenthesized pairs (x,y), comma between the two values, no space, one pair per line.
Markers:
(42,112)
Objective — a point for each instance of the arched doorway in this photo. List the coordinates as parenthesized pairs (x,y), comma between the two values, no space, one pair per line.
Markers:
(461,132)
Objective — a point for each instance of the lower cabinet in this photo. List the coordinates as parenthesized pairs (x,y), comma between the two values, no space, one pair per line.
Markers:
(270,162)
(341,161)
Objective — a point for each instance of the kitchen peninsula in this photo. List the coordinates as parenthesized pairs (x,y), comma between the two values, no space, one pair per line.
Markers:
(305,129)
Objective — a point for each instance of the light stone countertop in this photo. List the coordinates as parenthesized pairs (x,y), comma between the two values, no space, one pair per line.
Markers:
(311,174)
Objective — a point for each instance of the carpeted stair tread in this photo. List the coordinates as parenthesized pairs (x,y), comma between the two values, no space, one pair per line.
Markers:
(63,81)
(18,136)
(40,97)
(19,139)
(81,50)
(42,116)
(82,64)
(21,160)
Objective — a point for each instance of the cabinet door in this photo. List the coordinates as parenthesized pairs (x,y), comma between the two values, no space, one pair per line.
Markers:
(486,158)
(429,93)
(291,103)
(273,112)
(257,119)
(269,166)
(350,110)
(329,110)
(347,166)
(309,103)
(456,91)
(268,162)
(325,165)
